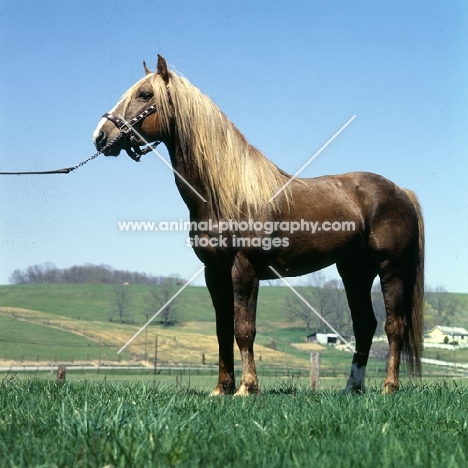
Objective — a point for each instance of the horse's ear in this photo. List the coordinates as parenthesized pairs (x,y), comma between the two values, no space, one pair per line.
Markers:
(147,70)
(162,69)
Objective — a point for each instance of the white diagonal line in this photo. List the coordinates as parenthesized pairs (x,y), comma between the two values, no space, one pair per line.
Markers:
(161,158)
(311,308)
(312,158)
(162,308)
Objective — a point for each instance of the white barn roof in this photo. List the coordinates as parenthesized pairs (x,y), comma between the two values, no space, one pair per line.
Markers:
(451,330)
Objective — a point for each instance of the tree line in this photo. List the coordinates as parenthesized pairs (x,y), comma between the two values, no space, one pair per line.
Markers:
(328,298)
(48,273)
(160,298)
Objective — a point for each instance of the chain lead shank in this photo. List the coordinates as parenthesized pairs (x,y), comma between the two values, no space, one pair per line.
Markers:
(126,133)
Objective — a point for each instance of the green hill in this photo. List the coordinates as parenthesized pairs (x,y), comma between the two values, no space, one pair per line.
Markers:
(62,322)
(91,301)
(21,340)
(77,322)
(95,301)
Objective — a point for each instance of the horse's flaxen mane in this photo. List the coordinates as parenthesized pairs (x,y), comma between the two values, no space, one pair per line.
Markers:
(239,179)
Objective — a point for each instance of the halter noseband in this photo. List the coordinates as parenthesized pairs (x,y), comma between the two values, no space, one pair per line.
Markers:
(128,134)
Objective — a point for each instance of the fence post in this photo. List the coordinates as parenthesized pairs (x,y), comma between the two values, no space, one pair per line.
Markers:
(155,355)
(61,372)
(314,371)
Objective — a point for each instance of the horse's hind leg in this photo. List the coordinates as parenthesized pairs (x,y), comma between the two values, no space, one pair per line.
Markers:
(395,325)
(220,287)
(358,275)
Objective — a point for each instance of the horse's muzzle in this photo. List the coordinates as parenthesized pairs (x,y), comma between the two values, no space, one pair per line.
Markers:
(107,149)
(100,140)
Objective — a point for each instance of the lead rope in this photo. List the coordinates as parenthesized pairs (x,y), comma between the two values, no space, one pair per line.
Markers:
(66,170)
(125,132)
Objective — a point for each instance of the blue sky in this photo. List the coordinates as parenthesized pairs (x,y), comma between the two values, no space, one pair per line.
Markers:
(289,74)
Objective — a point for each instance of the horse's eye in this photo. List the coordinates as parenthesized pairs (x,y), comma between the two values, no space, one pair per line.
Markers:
(145,95)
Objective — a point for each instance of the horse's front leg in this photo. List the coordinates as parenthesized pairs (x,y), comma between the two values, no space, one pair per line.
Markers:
(220,287)
(245,287)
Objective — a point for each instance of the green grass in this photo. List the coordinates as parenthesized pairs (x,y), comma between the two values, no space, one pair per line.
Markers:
(175,378)
(84,424)
(206,379)
(96,301)
(457,355)
(22,340)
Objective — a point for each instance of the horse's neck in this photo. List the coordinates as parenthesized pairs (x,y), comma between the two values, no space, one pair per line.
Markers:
(241,187)
(187,180)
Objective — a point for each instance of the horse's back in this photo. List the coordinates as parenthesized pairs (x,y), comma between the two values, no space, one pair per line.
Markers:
(385,215)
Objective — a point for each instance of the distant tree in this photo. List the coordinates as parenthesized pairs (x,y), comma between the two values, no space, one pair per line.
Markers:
(430,316)
(80,274)
(18,277)
(337,305)
(444,304)
(318,295)
(35,274)
(328,298)
(121,301)
(50,273)
(160,296)
(75,275)
(273,282)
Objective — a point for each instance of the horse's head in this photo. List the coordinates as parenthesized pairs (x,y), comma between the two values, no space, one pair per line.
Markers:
(136,119)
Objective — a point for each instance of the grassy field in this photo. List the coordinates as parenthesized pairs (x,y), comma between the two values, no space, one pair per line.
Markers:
(133,418)
(457,355)
(25,340)
(94,301)
(65,324)
(34,338)
(45,424)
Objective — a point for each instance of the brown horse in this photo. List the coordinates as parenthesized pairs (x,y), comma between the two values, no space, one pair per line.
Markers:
(248,225)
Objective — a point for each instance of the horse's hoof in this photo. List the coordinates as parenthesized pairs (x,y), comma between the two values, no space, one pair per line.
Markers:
(245,390)
(223,390)
(389,388)
(354,390)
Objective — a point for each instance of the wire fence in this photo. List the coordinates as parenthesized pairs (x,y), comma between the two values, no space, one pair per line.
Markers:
(187,371)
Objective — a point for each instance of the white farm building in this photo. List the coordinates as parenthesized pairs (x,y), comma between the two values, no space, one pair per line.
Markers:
(440,334)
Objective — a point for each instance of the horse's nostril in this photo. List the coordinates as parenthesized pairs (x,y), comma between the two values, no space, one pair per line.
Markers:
(101,140)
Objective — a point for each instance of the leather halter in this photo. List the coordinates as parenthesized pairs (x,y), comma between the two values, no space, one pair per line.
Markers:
(127,133)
